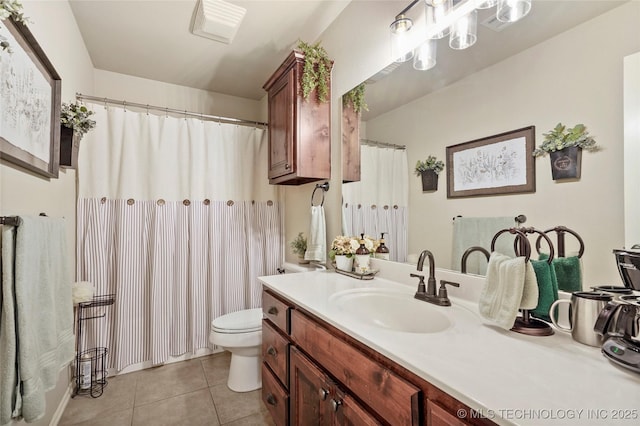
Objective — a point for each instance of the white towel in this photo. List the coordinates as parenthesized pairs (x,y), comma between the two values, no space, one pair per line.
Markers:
(501,295)
(479,231)
(530,291)
(317,243)
(43,313)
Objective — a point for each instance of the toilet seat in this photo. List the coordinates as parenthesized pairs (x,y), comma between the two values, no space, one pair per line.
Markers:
(244,321)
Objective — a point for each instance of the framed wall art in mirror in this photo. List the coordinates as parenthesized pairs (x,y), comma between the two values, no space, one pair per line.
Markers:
(495,165)
(29,103)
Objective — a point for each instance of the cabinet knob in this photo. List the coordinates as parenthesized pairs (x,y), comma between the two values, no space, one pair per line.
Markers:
(272,351)
(323,394)
(336,404)
(273,310)
(287,166)
(271,400)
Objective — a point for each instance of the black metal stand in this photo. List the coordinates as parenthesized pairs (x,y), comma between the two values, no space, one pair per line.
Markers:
(91,372)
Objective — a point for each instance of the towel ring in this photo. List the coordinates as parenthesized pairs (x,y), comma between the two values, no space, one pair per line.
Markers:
(560,231)
(324,187)
(532,230)
(521,235)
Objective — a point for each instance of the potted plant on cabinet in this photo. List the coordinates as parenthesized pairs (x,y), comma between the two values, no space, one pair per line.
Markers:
(316,73)
(428,170)
(299,247)
(75,121)
(565,146)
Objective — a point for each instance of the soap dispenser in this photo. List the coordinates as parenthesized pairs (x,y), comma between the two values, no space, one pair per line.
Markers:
(362,257)
(382,252)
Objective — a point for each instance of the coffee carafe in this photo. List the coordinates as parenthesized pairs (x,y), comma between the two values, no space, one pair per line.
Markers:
(619,320)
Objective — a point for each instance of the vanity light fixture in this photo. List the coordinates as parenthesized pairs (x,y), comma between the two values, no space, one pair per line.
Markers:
(456,18)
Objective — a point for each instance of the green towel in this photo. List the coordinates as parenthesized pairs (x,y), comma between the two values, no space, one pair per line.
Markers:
(547,286)
(568,272)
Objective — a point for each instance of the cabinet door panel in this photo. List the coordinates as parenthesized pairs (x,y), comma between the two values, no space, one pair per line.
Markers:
(281,98)
(351,413)
(393,398)
(438,416)
(309,391)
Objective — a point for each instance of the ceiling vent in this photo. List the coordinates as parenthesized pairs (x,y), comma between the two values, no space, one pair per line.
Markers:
(217,20)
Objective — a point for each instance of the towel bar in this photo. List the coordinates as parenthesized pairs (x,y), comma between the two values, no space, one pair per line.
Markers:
(10,220)
(324,187)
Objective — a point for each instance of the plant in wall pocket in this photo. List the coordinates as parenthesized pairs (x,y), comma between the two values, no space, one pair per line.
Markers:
(565,146)
(428,170)
(75,121)
(299,247)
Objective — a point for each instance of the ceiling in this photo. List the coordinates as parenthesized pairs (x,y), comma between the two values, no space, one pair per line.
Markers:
(152,39)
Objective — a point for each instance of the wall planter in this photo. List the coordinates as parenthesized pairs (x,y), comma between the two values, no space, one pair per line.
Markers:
(68,148)
(566,163)
(429,181)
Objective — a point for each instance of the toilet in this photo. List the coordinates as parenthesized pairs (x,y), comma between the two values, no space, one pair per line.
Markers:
(241,334)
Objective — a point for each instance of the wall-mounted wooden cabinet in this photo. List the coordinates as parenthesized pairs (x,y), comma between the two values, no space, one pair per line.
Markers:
(299,130)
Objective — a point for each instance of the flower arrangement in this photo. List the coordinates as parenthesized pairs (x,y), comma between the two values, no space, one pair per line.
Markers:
(562,137)
(76,117)
(10,9)
(344,245)
(299,245)
(431,163)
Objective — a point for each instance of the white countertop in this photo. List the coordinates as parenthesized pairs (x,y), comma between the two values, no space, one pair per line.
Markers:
(511,378)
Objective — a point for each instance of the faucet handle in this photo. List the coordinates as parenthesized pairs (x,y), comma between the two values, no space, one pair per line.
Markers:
(421,286)
(417,276)
(442,291)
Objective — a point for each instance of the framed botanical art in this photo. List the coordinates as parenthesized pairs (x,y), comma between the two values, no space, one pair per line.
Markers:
(495,165)
(29,103)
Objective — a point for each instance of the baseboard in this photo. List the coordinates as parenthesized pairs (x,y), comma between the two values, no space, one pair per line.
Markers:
(62,405)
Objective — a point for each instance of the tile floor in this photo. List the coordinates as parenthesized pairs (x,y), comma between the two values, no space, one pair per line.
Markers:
(189,393)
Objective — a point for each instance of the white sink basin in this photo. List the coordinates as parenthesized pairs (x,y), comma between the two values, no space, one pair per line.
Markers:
(391,309)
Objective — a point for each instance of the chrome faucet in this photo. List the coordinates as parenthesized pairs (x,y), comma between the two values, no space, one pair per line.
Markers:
(428,294)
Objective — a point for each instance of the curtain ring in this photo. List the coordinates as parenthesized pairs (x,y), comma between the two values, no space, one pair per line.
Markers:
(147,109)
(124,104)
(185,115)
(105,103)
(166,112)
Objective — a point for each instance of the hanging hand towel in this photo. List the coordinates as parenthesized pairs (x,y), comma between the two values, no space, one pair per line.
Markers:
(43,311)
(548,288)
(502,292)
(530,292)
(317,243)
(568,272)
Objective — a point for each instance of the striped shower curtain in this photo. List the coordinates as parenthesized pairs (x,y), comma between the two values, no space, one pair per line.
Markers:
(378,202)
(176,217)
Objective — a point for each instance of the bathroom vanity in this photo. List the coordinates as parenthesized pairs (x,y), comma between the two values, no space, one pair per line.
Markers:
(338,350)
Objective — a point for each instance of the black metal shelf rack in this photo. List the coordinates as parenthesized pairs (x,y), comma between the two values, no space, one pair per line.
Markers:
(97,380)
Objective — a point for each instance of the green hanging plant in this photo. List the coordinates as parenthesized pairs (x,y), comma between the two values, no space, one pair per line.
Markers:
(355,98)
(316,73)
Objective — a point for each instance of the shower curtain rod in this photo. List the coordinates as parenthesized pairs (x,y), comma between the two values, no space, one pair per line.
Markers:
(167,110)
(382,144)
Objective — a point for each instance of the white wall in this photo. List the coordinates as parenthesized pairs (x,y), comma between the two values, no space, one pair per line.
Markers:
(575,77)
(141,90)
(21,192)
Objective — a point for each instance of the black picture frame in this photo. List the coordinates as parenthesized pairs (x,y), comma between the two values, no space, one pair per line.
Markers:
(495,165)
(30,101)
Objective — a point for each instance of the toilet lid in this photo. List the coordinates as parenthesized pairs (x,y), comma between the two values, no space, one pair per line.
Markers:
(239,322)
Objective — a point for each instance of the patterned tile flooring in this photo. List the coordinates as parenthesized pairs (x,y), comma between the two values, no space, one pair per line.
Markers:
(189,393)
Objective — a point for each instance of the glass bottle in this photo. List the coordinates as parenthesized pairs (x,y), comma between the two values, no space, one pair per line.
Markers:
(362,257)
(382,252)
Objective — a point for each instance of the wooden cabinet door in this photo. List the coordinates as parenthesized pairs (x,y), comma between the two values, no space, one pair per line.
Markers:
(438,416)
(348,412)
(281,126)
(309,392)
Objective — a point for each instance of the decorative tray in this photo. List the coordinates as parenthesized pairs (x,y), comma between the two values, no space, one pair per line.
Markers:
(366,276)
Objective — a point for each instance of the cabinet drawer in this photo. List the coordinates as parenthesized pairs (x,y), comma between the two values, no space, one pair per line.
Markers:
(275,397)
(438,416)
(275,352)
(393,398)
(276,311)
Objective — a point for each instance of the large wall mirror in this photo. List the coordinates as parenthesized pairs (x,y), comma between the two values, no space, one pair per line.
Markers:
(562,63)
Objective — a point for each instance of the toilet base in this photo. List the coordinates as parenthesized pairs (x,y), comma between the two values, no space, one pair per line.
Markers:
(245,374)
